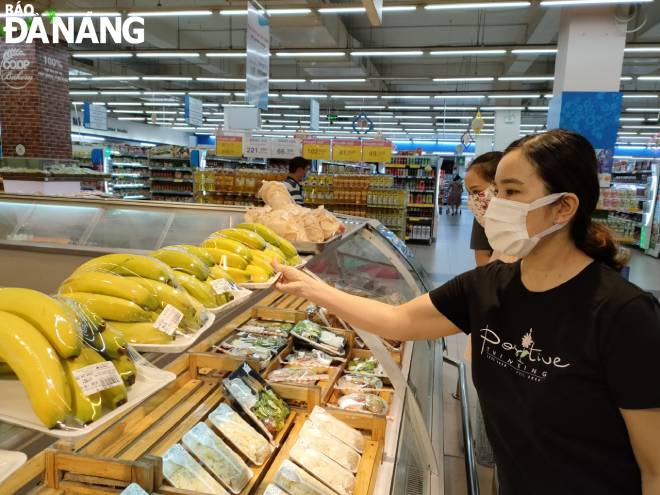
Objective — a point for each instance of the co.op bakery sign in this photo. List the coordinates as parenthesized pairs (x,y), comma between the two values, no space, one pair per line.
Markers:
(15,68)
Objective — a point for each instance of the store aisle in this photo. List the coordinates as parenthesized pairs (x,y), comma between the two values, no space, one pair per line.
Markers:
(451,256)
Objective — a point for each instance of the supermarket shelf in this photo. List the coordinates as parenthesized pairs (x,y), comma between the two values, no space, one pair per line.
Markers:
(635,172)
(139,196)
(130,186)
(169,159)
(173,193)
(134,175)
(420,205)
(167,179)
(134,157)
(172,169)
(128,165)
(420,219)
(390,207)
(427,191)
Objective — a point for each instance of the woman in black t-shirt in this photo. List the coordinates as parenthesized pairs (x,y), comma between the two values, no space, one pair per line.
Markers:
(564,350)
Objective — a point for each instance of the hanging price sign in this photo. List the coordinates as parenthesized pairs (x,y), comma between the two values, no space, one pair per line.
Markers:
(229,146)
(316,149)
(347,150)
(257,147)
(377,151)
(285,148)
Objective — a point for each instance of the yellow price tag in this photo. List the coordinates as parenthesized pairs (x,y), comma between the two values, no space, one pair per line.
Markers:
(316,149)
(347,150)
(229,146)
(377,151)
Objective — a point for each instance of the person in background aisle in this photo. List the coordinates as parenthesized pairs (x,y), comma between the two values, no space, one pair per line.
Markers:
(480,184)
(454,194)
(297,170)
(564,349)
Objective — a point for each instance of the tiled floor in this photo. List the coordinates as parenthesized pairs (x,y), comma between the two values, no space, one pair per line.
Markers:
(448,257)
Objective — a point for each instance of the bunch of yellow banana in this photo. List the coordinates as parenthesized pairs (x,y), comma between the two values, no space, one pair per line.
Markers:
(246,253)
(41,345)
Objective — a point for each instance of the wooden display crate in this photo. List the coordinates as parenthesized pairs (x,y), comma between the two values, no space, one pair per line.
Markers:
(367,471)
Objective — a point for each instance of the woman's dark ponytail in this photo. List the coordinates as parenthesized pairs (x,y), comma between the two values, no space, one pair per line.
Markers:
(567,162)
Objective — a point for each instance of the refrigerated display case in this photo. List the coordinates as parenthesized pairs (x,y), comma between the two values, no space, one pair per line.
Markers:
(49,237)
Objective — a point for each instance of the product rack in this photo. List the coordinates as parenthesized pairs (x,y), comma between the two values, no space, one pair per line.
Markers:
(171,179)
(130,176)
(627,206)
(420,176)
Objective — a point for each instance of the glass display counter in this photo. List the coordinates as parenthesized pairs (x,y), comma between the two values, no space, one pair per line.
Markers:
(368,261)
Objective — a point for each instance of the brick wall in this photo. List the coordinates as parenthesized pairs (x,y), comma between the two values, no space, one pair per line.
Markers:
(34,100)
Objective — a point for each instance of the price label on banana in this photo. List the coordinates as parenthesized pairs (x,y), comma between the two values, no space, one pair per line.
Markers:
(97,377)
(222,285)
(168,320)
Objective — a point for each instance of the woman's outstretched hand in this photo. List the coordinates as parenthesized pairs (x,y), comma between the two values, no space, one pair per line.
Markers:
(294,281)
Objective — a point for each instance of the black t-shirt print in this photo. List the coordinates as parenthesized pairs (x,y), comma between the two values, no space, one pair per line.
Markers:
(552,370)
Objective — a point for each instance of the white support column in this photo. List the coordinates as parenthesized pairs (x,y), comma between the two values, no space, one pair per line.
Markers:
(507,128)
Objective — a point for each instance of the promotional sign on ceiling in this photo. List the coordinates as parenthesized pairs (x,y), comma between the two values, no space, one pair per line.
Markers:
(229,146)
(95,116)
(347,150)
(193,111)
(377,151)
(316,149)
(257,64)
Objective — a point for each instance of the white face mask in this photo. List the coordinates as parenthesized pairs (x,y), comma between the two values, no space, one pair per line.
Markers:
(506,225)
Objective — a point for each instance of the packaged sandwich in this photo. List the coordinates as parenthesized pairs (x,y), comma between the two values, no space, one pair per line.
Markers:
(322,467)
(319,337)
(223,462)
(338,429)
(182,471)
(296,481)
(363,402)
(312,436)
(242,436)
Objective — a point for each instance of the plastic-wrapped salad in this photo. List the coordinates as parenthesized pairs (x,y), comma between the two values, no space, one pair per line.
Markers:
(363,402)
(354,383)
(271,410)
(366,366)
(319,337)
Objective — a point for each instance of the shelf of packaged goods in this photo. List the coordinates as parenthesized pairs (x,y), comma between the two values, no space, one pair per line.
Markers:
(130,186)
(420,219)
(134,175)
(420,205)
(410,177)
(132,157)
(427,191)
(634,172)
(137,196)
(168,159)
(173,193)
(128,165)
(172,169)
(168,179)
(389,207)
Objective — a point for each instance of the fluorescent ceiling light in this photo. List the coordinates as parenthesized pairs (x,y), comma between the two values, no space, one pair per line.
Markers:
(75,78)
(301,95)
(83,92)
(502,108)
(476,5)
(463,79)
(281,81)
(309,54)
(632,119)
(289,11)
(455,108)
(365,107)
(463,53)
(88,14)
(129,111)
(537,108)
(115,78)
(163,93)
(642,49)
(526,78)
(641,127)
(219,79)
(167,54)
(407,107)
(166,78)
(209,93)
(210,104)
(101,55)
(283,106)
(361,97)
(405,124)
(387,53)
(172,13)
(578,3)
(121,93)
(233,12)
(643,95)
(495,97)
(130,118)
(399,8)
(123,104)
(648,78)
(534,51)
(226,54)
(643,110)
(459,97)
(412,117)
(406,97)
(341,10)
(357,80)
(271,114)
(532,125)
(626,78)
(161,104)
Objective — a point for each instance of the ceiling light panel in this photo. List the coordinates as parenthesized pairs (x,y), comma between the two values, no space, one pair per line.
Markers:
(387,53)
(477,5)
(173,13)
(309,54)
(358,80)
(526,78)
(466,53)
(463,79)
